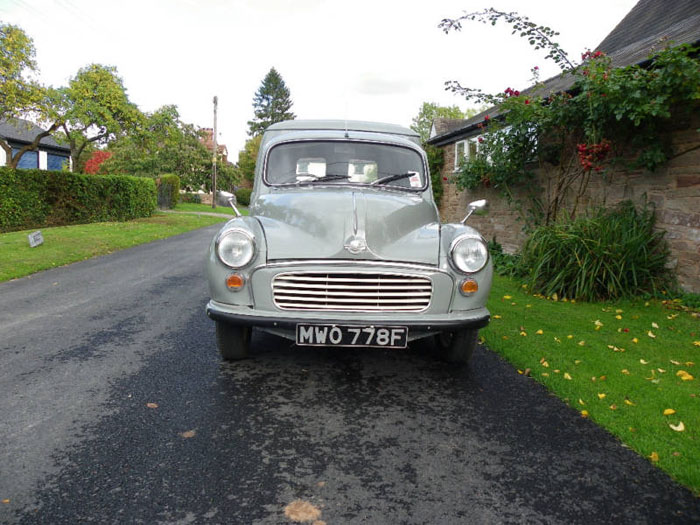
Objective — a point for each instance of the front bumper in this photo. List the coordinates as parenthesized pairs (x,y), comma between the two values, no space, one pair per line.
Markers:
(424,323)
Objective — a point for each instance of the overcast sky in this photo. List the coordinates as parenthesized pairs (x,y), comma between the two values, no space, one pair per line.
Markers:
(356,59)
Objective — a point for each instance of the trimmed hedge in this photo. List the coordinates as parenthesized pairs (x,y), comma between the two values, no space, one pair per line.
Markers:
(35,198)
(168,191)
(243,196)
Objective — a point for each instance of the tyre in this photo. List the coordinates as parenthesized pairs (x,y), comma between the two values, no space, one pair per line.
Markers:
(457,347)
(233,341)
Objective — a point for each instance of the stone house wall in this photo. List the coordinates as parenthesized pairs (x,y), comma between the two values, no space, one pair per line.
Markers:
(674,189)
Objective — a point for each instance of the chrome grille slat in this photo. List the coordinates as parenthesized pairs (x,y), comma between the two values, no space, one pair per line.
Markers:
(352,292)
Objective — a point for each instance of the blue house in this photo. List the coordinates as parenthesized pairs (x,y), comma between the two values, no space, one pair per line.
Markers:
(50,155)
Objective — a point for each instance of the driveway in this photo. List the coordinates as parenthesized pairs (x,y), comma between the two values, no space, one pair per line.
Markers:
(115,408)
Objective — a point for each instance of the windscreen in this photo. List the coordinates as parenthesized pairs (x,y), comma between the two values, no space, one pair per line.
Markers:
(345,162)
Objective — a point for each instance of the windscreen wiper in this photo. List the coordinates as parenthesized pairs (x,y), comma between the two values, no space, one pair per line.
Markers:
(396,176)
(309,177)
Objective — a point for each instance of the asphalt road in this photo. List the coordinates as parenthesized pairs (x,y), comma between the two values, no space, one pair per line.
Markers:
(363,437)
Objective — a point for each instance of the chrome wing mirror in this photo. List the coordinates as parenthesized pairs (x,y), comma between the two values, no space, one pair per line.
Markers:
(480,206)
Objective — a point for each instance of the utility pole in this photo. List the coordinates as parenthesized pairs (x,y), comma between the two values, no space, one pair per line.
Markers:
(213,175)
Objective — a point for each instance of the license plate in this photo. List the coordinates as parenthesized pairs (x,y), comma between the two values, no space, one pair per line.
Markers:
(352,335)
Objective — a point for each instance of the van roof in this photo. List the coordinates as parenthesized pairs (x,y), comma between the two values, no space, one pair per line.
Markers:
(341,125)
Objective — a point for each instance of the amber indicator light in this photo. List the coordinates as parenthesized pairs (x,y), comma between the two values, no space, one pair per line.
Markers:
(234,281)
(469,286)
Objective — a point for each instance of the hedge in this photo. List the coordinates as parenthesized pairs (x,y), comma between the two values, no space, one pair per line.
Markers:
(35,198)
(168,191)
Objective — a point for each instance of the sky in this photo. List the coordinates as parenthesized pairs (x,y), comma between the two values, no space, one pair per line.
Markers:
(373,60)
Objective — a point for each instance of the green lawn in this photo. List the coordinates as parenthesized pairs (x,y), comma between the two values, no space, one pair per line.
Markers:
(67,244)
(630,366)
(193,207)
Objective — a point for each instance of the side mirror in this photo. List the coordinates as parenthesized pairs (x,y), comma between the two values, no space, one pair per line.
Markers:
(480,206)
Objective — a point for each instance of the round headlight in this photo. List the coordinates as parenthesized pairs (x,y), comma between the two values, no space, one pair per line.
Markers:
(469,254)
(235,248)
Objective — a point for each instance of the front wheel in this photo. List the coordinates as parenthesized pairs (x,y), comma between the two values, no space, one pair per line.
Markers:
(457,347)
(233,341)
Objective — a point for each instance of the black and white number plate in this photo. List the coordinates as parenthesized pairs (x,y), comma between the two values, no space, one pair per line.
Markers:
(352,335)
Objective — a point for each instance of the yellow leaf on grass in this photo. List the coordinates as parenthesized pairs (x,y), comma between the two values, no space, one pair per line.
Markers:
(625,371)
(680,427)
(545,374)
(581,402)
(661,370)
(505,337)
(630,403)
(496,316)
(582,343)
(674,362)
(669,412)
(545,364)
(555,297)
(528,306)
(567,376)
(539,332)
(654,456)
(507,297)
(602,396)
(598,323)
(685,376)
(644,362)
(618,317)
(635,340)
(584,413)
(613,407)
(654,325)
(651,334)
(696,343)
(569,336)
(523,333)
(577,362)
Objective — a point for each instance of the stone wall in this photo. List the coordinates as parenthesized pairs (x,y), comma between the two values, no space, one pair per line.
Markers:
(674,189)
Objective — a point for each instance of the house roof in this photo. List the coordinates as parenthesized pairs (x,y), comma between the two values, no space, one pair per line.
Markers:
(643,29)
(24,132)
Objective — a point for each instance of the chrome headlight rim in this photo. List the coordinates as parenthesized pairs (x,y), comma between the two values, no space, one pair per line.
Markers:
(245,233)
(460,239)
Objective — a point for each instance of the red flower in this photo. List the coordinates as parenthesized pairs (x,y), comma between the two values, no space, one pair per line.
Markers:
(486,118)
(444,178)
(481,140)
(527,101)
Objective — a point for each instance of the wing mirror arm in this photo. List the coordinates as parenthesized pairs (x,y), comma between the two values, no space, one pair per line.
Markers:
(476,206)
(235,210)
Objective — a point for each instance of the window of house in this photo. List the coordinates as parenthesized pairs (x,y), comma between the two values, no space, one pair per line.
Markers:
(30,159)
(466,149)
(56,162)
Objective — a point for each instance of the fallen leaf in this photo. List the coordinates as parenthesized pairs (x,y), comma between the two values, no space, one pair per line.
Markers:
(527,372)
(669,412)
(578,362)
(661,370)
(674,362)
(689,363)
(618,311)
(598,323)
(644,362)
(584,413)
(613,407)
(188,434)
(520,372)
(635,340)
(582,343)
(625,371)
(602,378)
(581,402)
(301,511)
(630,403)
(507,297)
(539,332)
(505,337)
(654,325)
(6,501)
(651,334)
(618,317)
(545,374)
(528,306)
(557,340)
(569,336)
(696,343)
(496,316)
(602,396)
(654,456)
(524,334)
(545,364)
(152,405)
(685,376)
(672,316)
(555,297)
(680,427)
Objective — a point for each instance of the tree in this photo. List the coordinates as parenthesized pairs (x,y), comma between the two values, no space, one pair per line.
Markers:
(94,109)
(429,111)
(271,104)
(247,157)
(20,94)
(161,144)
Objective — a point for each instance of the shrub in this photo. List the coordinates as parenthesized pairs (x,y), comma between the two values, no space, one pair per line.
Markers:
(34,198)
(607,254)
(243,196)
(168,191)
(505,263)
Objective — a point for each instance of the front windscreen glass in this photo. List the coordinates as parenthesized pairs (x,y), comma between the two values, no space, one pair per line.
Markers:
(339,162)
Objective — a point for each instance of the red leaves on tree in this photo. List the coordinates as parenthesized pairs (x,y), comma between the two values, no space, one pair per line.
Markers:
(591,156)
(92,166)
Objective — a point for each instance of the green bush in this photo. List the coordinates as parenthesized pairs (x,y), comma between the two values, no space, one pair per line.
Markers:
(168,191)
(243,196)
(607,254)
(507,264)
(35,198)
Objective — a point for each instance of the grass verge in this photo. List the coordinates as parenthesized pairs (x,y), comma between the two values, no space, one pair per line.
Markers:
(206,208)
(630,366)
(67,244)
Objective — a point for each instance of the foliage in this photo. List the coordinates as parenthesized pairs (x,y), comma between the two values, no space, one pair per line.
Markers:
(162,143)
(247,158)
(610,117)
(506,264)
(97,158)
(436,160)
(168,187)
(190,198)
(34,198)
(429,111)
(68,244)
(622,364)
(272,103)
(609,253)
(93,109)
(20,93)
(243,196)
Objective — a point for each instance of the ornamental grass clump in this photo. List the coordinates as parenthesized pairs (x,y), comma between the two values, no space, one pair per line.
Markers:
(607,254)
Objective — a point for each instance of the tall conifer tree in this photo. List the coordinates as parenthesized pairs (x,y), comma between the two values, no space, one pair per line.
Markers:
(271,103)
